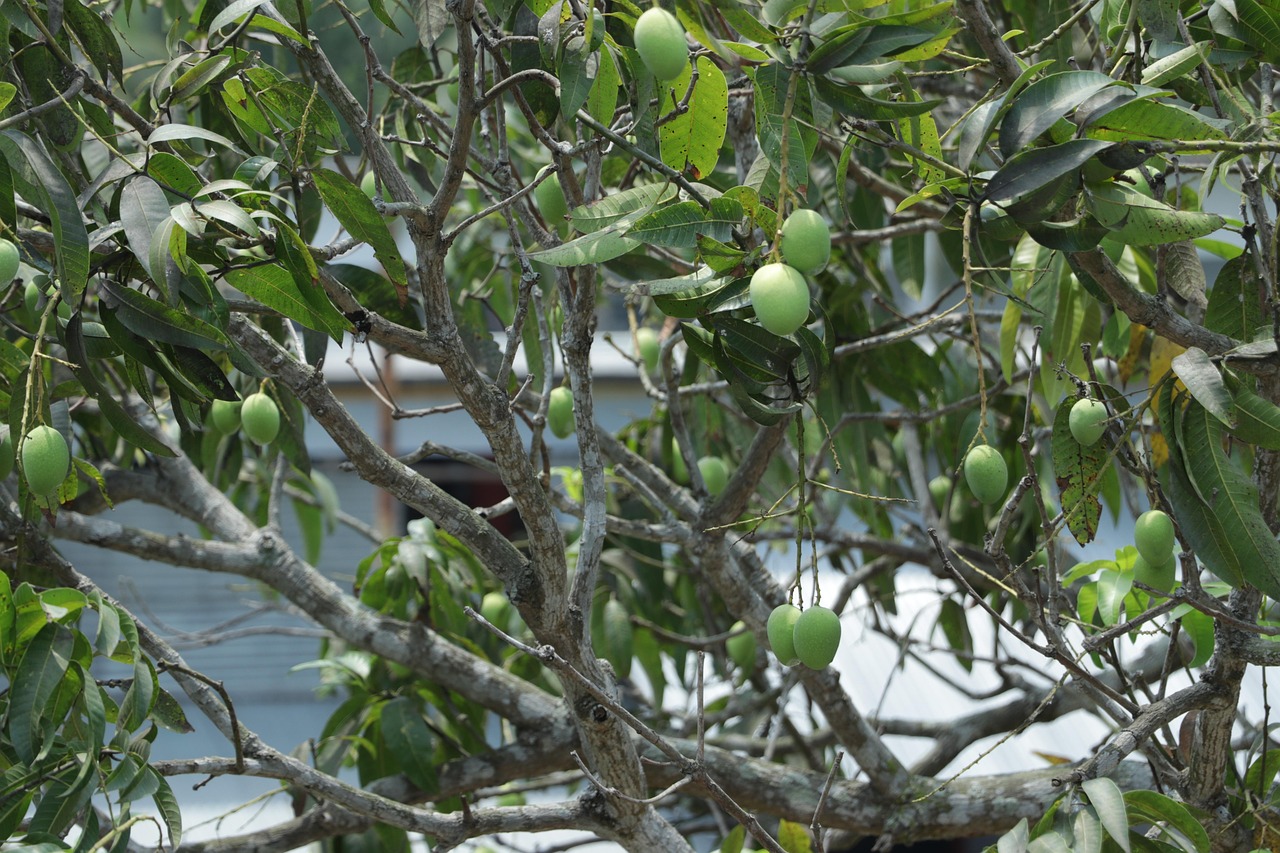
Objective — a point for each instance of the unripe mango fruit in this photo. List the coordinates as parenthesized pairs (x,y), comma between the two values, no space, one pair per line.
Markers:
(618,637)
(260,418)
(495,608)
(46,460)
(1087,421)
(742,647)
(780,297)
(551,204)
(715,474)
(806,241)
(6,455)
(560,412)
(8,262)
(817,637)
(1153,537)
(986,473)
(1161,577)
(679,471)
(649,347)
(940,489)
(660,42)
(781,629)
(225,415)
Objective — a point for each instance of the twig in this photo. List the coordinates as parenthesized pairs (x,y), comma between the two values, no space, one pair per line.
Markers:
(815,824)
(694,770)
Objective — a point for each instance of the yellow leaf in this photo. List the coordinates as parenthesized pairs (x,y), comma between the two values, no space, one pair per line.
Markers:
(1129,362)
(1163,352)
(1159,450)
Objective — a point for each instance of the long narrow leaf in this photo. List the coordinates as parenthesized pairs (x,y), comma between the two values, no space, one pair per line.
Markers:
(36,178)
(1232,498)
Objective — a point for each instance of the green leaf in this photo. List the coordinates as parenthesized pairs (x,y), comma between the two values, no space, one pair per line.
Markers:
(1086,832)
(793,837)
(65,798)
(1049,842)
(1015,840)
(174,173)
(280,28)
(720,258)
(1261,19)
(229,214)
(680,225)
(910,263)
(1073,319)
(1232,499)
(231,12)
(1137,220)
(121,421)
(693,138)
(1199,627)
(167,805)
(1262,772)
(1144,119)
(361,219)
(379,9)
(772,103)
(577,77)
(107,636)
(734,841)
(975,132)
(95,712)
(1175,65)
(38,675)
(143,210)
(61,602)
(865,42)
(1027,174)
(1040,105)
(1010,326)
(97,38)
(198,76)
(376,293)
(1257,418)
(594,248)
(603,98)
(1235,307)
(1155,808)
(276,288)
(169,714)
(955,627)
(148,318)
(613,209)
(201,373)
(138,699)
(1113,587)
(7,91)
(1198,524)
(410,740)
(1107,800)
(1205,382)
(852,101)
(311,529)
(1076,235)
(922,132)
(35,177)
(184,132)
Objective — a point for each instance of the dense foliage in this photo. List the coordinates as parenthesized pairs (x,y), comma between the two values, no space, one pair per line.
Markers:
(1029,204)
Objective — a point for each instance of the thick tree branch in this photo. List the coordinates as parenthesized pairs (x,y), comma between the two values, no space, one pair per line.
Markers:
(1154,313)
(977,20)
